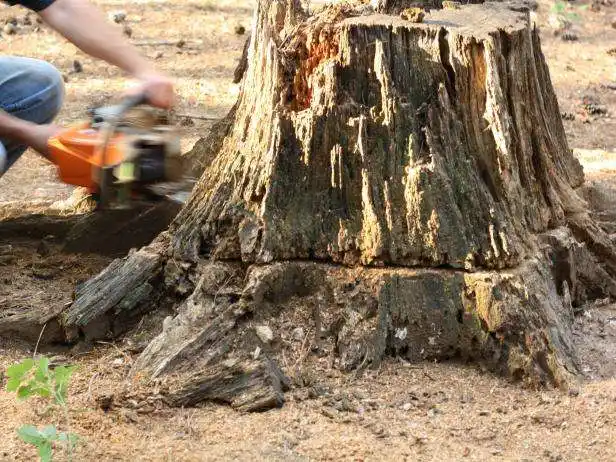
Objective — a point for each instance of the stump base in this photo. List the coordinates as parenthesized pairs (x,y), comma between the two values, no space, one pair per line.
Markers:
(243,328)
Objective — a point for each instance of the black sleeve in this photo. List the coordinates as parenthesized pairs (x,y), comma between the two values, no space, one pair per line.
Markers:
(34,5)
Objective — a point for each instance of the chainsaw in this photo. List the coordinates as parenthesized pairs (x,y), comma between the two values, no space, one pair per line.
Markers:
(124,154)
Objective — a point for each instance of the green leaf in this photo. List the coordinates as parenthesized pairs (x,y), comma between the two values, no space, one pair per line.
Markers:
(16,373)
(62,376)
(30,435)
(42,370)
(42,439)
(25,392)
(12,384)
(43,391)
(30,389)
(49,432)
(45,452)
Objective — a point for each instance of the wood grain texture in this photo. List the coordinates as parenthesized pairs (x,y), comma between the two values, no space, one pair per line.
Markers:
(373,140)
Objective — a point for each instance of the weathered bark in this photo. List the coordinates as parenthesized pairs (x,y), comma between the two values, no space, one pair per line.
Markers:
(424,170)
(32,325)
(426,151)
(248,386)
(240,70)
(418,314)
(106,305)
(576,269)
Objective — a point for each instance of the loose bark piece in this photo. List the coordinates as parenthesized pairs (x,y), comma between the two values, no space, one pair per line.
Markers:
(32,325)
(585,229)
(105,305)
(576,270)
(246,386)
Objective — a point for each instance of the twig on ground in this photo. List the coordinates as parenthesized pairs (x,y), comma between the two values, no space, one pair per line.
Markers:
(304,350)
(39,340)
(199,117)
(166,43)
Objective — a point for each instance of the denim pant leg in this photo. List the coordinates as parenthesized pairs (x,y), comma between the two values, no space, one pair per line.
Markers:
(31,90)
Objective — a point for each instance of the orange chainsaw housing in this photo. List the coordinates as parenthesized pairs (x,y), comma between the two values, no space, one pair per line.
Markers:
(76,153)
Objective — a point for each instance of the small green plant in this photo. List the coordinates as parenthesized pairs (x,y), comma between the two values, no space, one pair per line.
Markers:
(31,378)
(562,9)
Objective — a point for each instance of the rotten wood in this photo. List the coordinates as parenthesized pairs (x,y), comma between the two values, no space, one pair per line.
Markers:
(32,325)
(429,159)
(253,385)
(106,305)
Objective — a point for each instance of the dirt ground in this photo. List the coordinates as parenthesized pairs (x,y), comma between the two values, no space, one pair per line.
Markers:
(402,411)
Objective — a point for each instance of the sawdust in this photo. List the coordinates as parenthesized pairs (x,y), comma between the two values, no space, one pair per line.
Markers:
(418,412)
(34,274)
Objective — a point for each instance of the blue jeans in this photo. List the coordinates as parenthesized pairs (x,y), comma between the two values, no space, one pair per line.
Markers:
(31,90)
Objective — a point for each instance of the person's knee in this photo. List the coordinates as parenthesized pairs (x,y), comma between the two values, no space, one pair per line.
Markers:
(3,160)
(31,89)
(52,85)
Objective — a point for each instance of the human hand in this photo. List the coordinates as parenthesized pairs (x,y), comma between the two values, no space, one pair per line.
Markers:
(37,137)
(157,88)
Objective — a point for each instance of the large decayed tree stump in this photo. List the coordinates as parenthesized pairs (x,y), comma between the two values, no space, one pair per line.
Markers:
(391,188)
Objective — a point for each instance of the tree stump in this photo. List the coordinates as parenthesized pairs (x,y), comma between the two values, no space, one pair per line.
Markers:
(386,188)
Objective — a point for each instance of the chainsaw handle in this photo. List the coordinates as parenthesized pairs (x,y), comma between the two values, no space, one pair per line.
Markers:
(131,101)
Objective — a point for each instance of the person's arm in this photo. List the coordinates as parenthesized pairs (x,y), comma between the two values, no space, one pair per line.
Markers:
(83,24)
(28,133)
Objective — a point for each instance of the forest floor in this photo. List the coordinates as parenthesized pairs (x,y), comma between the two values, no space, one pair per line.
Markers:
(402,411)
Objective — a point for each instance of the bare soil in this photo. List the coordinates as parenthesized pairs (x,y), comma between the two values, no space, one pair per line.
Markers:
(423,411)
